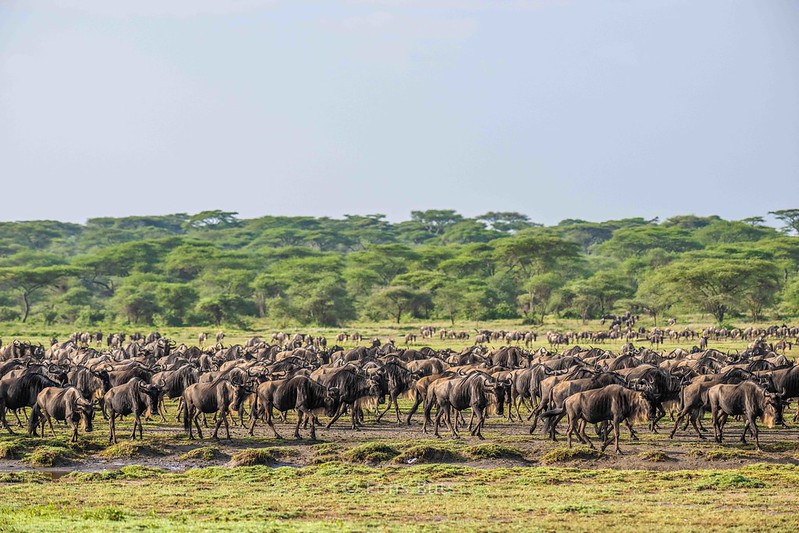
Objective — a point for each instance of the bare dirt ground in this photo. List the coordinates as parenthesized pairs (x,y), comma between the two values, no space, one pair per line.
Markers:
(166,446)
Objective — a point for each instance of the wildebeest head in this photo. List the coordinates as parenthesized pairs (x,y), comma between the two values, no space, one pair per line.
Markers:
(86,409)
(376,389)
(775,404)
(331,400)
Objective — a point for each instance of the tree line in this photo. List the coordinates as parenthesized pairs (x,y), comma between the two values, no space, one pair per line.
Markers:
(213,267)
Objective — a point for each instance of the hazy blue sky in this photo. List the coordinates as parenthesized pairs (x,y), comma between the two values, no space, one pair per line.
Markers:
(584,109)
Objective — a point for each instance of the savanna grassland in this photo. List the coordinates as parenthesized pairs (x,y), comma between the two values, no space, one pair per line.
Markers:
(183,275)
(393,476)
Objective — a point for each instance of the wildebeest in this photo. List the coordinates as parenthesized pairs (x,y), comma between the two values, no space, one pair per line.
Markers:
(19,392)
(613,403)
(64,404)
(133,397)
(353,387)
(91,384)
(172,383)
(458,393)
(218,396)
(400,381)
(302,394)
(745,399)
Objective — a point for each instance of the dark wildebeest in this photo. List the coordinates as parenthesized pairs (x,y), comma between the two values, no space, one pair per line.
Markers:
(302,394)
(563,390)
(19,392)
(172,383)
(693,397)
(745,399)
(218,396)
(64,404)
(91,384)
(614,404)
(133,397)
(125,373)
(458,393)
(400,382)
(354,388)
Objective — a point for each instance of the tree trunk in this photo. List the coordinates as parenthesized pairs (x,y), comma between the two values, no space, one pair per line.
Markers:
(26,306)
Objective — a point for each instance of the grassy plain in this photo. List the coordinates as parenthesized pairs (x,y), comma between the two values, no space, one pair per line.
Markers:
(392,477)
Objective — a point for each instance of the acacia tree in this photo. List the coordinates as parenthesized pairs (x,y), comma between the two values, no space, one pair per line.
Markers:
(719,286)
(789,217)
(397,300)
(29,281)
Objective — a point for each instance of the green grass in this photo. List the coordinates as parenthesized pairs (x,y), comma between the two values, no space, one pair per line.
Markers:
(728,481)
(428,453)
(371,452)
(655,456)
(129,448)
(48,456)
(723,453)
(203,453)
(252,457)
(345,497)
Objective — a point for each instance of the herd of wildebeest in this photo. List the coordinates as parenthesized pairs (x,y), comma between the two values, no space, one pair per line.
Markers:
(497,376)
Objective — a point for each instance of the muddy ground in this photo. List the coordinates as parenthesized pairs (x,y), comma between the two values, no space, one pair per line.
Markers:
(166,446)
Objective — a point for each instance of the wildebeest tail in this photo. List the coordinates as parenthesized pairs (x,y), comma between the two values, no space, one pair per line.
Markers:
(186,418)
(553,412)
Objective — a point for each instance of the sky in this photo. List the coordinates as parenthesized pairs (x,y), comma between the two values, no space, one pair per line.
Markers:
(594,109)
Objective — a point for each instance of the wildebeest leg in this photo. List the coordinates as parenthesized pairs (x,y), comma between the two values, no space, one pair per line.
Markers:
(299,421)
(581,425)
(136,422)
(196,417)
(478,413)
(442,412)
(219,420)
(677,423)
(227,426)
(252,424)
(269,421)
(162,407)
(336,417)
(616,431)
(49,421)
(416,402)
(74,431)
(746,429)
(378,414)
(633,434)
(112,436)
(180,405)
(752,423)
